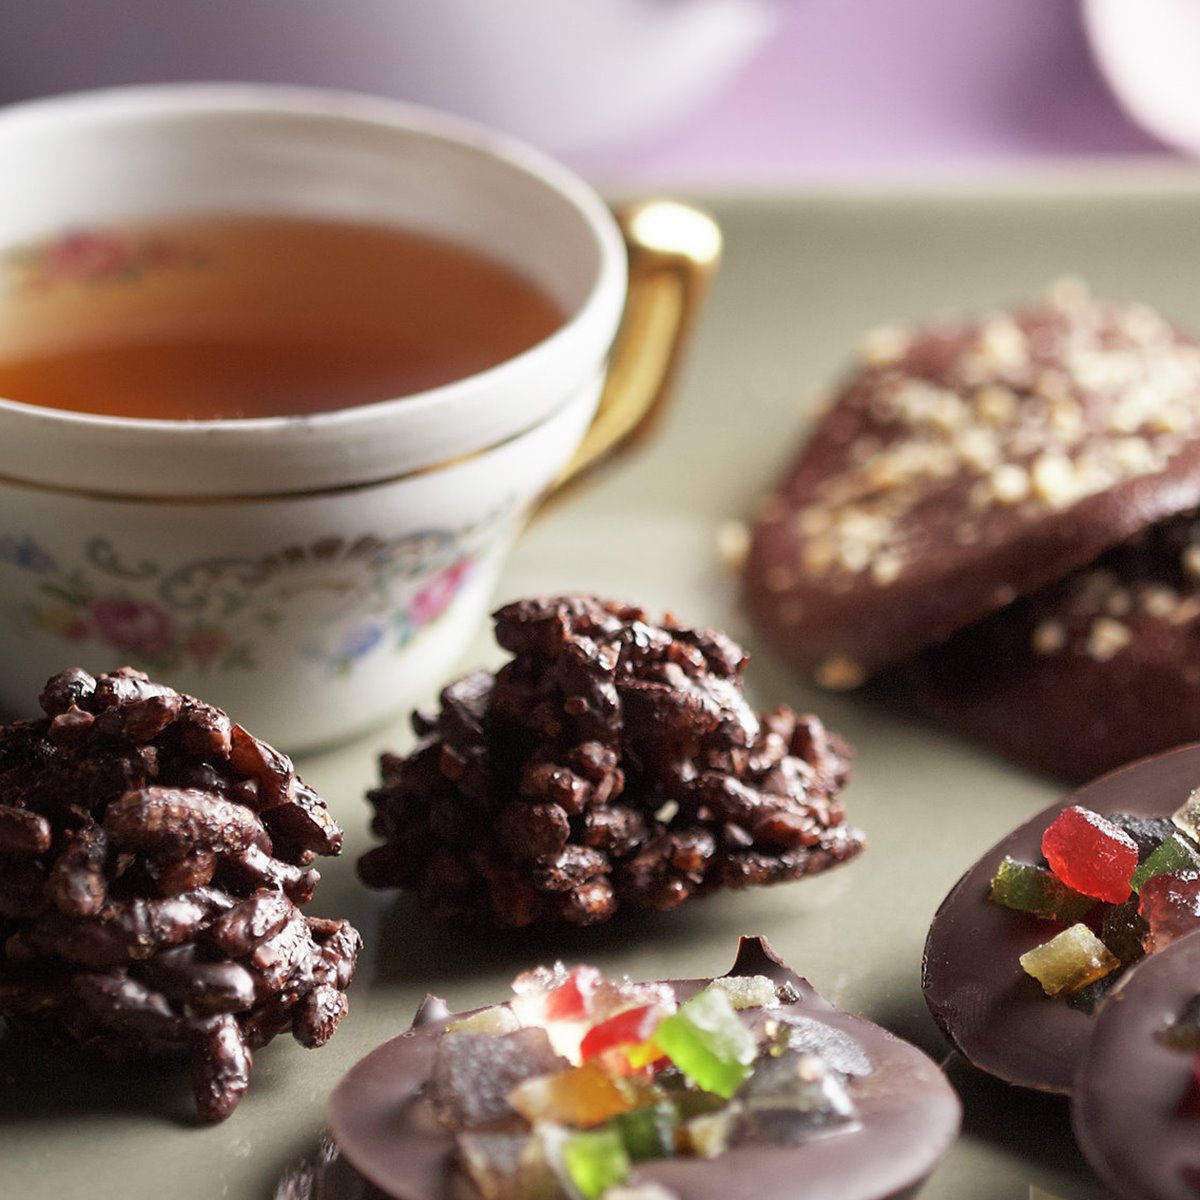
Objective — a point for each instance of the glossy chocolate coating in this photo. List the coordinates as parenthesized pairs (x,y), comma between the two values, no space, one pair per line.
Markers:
(976,990)
(1134,1105)
(908,1115)
(1057,683)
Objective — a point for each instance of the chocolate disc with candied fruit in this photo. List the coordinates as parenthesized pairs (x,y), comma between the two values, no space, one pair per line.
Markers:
(1135,1106)
(612,762)
(1023,951)
(154,861)
(750,1084)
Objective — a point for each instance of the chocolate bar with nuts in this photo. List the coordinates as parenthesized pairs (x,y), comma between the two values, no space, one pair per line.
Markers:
(969,464)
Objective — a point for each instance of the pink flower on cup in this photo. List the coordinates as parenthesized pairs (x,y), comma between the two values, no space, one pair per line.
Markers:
(434,598)
(86,255)
(132,626)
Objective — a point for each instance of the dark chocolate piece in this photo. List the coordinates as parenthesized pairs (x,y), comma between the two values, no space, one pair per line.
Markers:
(1135,1106)
(1091,672)
(980,997)
(907,1112)
(153,861)
(968,464)
(613,762)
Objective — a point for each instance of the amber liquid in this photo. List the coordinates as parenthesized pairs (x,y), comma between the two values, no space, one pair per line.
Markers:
(255,317)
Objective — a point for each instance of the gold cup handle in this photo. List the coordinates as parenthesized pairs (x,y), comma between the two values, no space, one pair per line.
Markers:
(673,251)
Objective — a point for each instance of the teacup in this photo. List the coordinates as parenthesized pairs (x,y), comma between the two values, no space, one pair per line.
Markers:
(310,574)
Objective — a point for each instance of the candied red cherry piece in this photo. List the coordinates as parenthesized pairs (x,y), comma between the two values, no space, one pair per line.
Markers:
(1091,854)
(1170,905)
(572,1000)
(633,1027)
(556,994)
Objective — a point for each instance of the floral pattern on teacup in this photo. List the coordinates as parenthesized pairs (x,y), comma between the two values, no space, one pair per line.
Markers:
(335,600)
(97,257)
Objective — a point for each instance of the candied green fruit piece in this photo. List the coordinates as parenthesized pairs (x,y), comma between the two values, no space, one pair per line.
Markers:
(1032,889)
(707,1041)
(689,1101)
(595,1160)
(1069,961)
(1171,858)
(648,1132)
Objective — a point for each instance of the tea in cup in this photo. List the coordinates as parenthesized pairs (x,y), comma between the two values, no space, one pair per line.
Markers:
(284,373)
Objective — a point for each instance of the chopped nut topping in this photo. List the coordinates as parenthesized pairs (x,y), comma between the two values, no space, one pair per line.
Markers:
(1066,417)
(812,522)
(1049,637)
(978,448)
(1186,611)
(839,673)
(733,544)
(1157,600)
(887,569)
(1054,482)
(1009,484)
(1054,386)
(1107,638)
(996,404)
(885,345)
(1003,346)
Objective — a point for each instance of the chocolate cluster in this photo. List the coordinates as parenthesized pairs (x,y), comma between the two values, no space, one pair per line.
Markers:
(153,860)
(612,762)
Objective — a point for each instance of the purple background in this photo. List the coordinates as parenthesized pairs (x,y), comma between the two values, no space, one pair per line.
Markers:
(863,87)
(849,88)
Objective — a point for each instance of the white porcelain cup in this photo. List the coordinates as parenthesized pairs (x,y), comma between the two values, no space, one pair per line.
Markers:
(311,574)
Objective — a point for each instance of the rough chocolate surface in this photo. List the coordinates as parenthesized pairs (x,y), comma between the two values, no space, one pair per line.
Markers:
(976,990)
(1135,1106)
(968,464)
(153,861)
(908,1117)
(612,762)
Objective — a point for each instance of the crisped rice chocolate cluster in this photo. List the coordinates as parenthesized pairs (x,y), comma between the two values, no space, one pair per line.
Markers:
(153,858)
(612,761)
